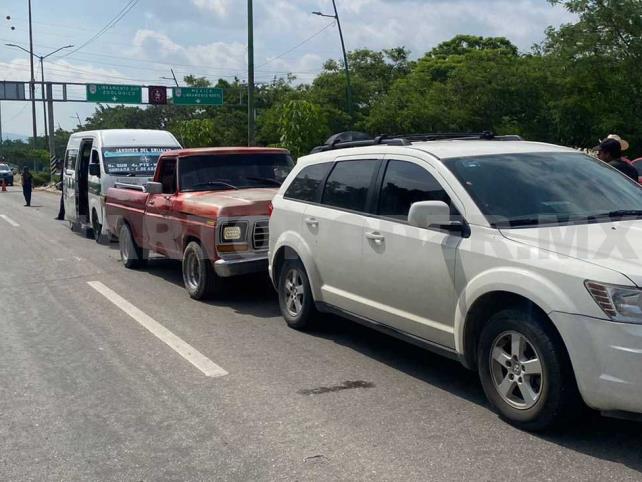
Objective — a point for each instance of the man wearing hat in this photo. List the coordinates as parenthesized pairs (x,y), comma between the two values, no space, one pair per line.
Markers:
(610,151)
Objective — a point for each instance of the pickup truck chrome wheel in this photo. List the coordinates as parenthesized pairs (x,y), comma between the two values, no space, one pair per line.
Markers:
(516,370)
(192,270)
(198,274)
(294,292)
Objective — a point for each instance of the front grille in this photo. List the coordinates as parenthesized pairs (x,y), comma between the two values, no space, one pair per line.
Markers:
(260,236)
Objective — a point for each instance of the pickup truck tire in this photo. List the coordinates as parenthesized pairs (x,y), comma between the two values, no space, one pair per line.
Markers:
(201,282)
(525,371)
(131,254)
(295,296)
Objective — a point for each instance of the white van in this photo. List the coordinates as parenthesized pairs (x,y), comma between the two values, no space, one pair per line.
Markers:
(97,160)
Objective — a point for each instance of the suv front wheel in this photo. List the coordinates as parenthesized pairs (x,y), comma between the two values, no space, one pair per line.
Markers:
(525,371)
(295,295)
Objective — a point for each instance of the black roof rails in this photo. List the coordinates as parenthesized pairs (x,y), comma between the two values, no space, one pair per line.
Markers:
(337,141)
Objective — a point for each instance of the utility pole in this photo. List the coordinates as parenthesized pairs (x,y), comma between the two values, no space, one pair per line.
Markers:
(250,74)
(32,83)
(172,77)
(345,56)
(1,123)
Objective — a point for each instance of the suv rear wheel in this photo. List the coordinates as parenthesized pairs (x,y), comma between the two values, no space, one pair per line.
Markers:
(295,295)
(525,371)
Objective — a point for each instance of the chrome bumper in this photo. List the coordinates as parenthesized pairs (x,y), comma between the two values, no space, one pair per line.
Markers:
(226,268)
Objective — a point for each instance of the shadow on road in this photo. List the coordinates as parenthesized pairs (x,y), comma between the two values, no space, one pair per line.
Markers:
(604,438)
(251,295)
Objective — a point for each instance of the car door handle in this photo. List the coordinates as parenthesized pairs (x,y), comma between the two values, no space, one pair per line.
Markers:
(376,237)
(312,222)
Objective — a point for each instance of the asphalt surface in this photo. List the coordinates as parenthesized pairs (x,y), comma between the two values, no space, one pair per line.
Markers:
(87,393)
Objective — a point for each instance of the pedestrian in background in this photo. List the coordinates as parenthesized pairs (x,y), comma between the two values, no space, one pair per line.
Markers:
(27,185)
(610,151)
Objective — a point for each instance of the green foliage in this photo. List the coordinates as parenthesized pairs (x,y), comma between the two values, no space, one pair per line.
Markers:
(40,178)
(301,126)
(20,154)
(195,132)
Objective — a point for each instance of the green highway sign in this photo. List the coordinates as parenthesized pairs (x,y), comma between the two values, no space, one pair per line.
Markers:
(119,94)
(197,96)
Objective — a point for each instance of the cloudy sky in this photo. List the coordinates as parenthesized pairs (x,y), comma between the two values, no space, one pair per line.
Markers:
(208,38)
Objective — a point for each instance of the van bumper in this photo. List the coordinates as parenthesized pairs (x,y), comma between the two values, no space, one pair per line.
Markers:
(606,358)
(226,268)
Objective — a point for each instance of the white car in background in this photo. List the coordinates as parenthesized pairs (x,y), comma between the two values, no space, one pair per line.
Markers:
(522,260)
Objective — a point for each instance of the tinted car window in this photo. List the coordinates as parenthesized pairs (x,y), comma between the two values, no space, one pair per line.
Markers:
(406,183)
(347,186)
(515,190)
(306,184)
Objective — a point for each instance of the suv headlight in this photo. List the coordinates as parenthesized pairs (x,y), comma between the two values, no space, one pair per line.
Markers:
(620,303)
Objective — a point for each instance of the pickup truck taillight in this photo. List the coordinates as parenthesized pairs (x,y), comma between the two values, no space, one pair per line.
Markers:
(270,208)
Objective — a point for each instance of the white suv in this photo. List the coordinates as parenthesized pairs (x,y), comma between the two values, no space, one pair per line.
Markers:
(522,260)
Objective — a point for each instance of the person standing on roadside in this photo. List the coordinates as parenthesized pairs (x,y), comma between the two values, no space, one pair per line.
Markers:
(27,185)
(610,151)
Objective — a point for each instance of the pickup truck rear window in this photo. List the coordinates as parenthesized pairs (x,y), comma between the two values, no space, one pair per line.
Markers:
(233,171)
(132,161)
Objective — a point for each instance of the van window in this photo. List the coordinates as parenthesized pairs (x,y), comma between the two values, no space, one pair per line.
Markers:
(70,159)
(405,183)
(347,186)
(305,186)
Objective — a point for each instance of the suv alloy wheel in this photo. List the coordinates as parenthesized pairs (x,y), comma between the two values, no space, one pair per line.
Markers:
(295,295)
(525,371)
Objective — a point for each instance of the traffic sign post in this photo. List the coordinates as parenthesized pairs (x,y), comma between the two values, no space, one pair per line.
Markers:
(197,96)
(114,94)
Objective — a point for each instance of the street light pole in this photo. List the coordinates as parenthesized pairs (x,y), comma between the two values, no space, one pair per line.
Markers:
(44,101)
(345,57)
(250,74)
(32,83)
(42,75)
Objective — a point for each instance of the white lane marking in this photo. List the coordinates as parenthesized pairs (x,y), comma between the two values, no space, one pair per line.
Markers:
(200,361)
(9,220)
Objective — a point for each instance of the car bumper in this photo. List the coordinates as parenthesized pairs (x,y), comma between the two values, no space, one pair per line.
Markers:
(226,268)
(607,360)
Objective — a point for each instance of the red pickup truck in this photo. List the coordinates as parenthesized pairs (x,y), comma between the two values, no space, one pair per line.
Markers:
(207,207)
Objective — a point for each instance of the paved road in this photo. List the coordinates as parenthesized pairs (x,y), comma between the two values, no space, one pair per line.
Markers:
(88,393)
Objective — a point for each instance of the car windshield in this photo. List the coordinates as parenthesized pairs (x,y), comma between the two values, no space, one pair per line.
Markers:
(132,161)
(4,167)
(233,171)
(516,190)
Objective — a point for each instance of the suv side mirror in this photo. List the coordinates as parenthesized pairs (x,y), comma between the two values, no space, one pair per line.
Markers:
(94,170)
(154,187)
(434,214)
